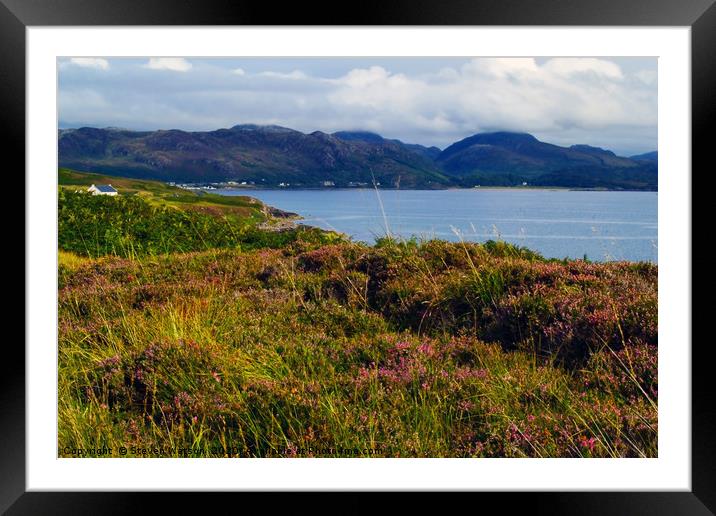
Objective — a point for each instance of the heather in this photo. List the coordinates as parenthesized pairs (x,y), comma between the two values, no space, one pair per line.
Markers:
(306,347)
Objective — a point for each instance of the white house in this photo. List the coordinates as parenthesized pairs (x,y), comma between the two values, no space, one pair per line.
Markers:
(102,190)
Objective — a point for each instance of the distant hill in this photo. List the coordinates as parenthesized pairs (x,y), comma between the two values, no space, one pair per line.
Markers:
(270,155)
(647,156)
(522,154)
(267,155)
(368,137)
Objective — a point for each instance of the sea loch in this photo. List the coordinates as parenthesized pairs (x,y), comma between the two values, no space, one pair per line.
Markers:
(603,225)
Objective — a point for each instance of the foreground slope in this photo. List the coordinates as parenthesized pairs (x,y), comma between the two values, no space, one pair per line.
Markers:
(410,350)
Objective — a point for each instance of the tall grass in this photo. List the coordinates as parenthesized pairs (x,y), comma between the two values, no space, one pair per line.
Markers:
(405,348)
(380,204)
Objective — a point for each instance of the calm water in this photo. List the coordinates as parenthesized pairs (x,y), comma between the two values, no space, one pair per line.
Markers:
(557,223)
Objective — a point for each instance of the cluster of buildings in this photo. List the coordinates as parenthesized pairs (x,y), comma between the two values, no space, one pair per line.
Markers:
(110,190)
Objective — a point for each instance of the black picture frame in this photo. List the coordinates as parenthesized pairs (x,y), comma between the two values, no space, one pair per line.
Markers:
(700,15)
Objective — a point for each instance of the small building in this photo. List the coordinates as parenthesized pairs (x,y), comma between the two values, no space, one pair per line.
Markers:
(102,190)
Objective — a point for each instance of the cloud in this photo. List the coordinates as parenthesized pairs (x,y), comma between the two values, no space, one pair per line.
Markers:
(571,66)
(500,94)
(361,78)
(175,64)
(294,75)
(90,62)
(502,67)
(559,100)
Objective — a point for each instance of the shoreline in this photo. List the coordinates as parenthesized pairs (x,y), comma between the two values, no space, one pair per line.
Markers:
(329,189)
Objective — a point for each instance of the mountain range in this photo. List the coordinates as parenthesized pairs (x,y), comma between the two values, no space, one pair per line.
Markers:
(273,155)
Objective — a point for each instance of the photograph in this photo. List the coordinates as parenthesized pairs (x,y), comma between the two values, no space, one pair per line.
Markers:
(441,248)
(357,257)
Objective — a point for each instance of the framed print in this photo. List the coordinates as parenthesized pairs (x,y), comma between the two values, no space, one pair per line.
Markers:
(412,251)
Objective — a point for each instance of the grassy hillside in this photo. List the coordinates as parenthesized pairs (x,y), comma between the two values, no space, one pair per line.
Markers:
(161,194)
(151,218)
(426,349)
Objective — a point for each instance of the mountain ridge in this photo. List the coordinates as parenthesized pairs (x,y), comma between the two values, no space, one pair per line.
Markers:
(271,155)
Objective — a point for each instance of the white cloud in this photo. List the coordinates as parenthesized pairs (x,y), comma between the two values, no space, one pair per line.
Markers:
(294,75)
(569,66)
(362,77)
(175,64)
(502,67)
(375,87)
(238,71)
(90,62)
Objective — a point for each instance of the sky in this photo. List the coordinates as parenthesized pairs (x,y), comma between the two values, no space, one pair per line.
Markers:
(601,101)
